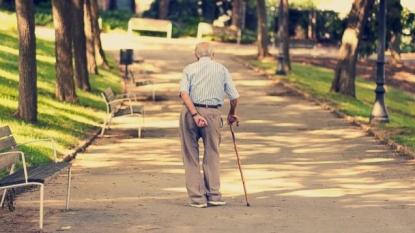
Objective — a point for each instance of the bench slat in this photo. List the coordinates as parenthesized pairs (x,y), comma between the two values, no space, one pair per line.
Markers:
(5,131)
(35,174)
(127,111)
(7,160)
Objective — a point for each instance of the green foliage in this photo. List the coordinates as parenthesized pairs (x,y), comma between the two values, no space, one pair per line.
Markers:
(116,19)
(317,81)
(43,17)
(67,123)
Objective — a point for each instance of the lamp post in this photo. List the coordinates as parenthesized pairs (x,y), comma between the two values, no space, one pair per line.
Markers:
(280,66)
(379,111)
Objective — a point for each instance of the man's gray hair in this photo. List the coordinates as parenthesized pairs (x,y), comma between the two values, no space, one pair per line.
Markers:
(204,49)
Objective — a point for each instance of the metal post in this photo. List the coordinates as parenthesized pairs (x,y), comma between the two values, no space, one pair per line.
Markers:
(379,111)
(281,68)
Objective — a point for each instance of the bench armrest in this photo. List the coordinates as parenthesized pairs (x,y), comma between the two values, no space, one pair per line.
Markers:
(124,96)
(120,100)
(23,161)
(43,140)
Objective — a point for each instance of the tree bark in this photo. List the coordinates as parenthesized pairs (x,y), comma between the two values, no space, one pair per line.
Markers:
(286,35)
(79,46)
(345,72)
(96,33)
(90,43)
(312,24)
(236,9)
(262,34)
(395,48)
(393,17)
(65,84)
(163,9)
(27,100)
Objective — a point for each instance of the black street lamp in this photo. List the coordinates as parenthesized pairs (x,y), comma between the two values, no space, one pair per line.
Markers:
(379,111)
(280,66)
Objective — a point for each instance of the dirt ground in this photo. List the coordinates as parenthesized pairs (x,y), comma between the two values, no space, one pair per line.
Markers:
(306,171)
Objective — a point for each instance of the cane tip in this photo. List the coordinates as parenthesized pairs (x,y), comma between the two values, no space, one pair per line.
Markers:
(247,204)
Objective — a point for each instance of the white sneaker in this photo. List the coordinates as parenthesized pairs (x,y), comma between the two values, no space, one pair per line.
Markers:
(217,203)
(198,205)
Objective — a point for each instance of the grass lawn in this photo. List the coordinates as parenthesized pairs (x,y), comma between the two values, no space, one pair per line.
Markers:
(67,123)
(316,81)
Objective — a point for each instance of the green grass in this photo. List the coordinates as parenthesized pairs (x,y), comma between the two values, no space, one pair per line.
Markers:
(317,82)
(67,123)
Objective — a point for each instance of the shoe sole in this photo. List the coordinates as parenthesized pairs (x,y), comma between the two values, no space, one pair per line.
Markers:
(198,205)
(217,203)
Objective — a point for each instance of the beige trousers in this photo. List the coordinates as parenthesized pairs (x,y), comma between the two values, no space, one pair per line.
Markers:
(201,187)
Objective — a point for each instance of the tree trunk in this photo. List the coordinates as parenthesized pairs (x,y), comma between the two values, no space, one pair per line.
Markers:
(79,46)
(27,102)
(236,9)
(65,84)
(96,33)
(90,43)
(393,17)
(312,24)
(345,72)
(286,34)
(395,48)
(262,36)
(163,9)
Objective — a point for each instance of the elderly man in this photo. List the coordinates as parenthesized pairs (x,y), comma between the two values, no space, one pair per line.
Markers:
(202,89)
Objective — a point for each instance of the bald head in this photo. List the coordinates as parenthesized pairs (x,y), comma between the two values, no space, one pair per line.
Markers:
(204,49)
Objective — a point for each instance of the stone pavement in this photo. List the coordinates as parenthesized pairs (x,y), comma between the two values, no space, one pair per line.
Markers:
(305,169)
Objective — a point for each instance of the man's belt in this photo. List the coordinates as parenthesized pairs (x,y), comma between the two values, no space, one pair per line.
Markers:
(207,106)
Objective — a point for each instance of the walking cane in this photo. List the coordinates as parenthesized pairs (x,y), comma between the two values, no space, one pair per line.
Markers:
(239,164)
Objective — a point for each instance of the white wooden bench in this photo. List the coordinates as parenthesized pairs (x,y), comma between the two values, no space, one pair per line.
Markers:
(144,24)
(120,105)
(208,29)
(27,176)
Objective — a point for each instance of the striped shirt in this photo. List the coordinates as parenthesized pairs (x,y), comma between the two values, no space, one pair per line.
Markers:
(206,81)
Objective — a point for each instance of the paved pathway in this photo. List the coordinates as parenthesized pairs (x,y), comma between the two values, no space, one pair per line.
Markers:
(305,170)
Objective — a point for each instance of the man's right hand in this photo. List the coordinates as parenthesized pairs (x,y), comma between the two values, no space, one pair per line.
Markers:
(200,121)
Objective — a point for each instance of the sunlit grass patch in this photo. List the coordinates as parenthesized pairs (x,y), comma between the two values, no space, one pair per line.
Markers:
(317,82)
(67,123)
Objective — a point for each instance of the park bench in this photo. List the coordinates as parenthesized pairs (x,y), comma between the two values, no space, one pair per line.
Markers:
(120,105)
(32,176)
(208,29)
(144,81)
(144,24)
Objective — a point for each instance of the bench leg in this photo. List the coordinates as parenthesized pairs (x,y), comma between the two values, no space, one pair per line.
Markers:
(104,125)
(3,197)
(68,188)
(5,191)
(41,207)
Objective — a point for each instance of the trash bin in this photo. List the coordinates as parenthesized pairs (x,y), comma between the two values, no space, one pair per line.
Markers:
(126,56)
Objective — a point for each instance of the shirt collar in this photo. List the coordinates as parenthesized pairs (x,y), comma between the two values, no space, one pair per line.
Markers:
(205,59)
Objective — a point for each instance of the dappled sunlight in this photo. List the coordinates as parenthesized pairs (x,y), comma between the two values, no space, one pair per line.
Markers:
(8,75)
(343,133)
(253,83)
(96,162)
(47,59)
(329,192)
(10,50)
(164,124)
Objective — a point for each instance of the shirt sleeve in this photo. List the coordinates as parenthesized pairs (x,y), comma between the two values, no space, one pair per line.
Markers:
(229,86)
(184,83)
